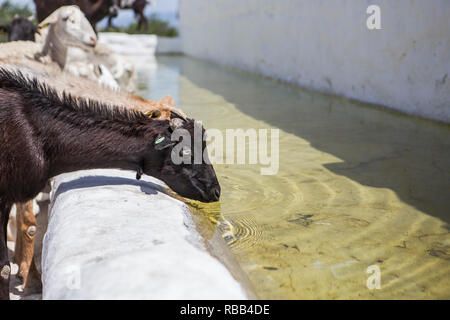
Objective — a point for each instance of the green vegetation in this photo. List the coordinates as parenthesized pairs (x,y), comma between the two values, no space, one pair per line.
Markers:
(9,10)
(155,26)
(7,13)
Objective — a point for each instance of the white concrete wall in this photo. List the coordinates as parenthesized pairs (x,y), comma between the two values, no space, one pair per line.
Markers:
(112,237)
(325,45)
(168,45)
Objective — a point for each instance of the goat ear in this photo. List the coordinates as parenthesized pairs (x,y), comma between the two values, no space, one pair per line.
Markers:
(153,114)
(51,19)
(162,142)
(43,25)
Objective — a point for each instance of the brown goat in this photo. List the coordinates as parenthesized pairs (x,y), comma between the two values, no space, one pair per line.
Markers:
(43,134)
(24,246)
(138,7)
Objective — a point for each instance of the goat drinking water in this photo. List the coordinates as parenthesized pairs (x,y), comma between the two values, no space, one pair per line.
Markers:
(44,134)
(18,56)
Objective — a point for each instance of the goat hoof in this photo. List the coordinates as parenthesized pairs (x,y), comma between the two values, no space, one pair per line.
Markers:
(31,231)
(6,270)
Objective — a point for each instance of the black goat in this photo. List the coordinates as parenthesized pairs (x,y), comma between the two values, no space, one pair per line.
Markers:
(43,134)
(138,7)
(20,29)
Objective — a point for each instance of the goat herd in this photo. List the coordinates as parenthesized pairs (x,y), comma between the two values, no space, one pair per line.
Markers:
(66,105)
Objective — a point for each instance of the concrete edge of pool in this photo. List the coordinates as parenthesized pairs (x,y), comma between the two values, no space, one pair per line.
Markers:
(111,236)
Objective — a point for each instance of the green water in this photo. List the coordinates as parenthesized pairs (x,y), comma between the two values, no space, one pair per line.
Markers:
(357,186)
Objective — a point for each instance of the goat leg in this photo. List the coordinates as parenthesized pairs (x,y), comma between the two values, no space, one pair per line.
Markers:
(33,282)
(142,21)
(26,232)
(110,25)
(5,267)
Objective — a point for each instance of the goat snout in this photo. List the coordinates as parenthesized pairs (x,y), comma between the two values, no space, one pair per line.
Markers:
(215,193)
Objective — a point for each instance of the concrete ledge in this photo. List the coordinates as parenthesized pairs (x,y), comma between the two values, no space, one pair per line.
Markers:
(112,237)
(136,44)
(140,44)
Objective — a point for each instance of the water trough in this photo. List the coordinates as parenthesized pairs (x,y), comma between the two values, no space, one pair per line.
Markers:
(111,236)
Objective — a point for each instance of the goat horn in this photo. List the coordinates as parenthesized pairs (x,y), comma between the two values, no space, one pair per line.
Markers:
(174,114)
(176,123)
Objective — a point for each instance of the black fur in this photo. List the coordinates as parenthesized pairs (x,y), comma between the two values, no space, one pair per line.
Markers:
(43,134)
(20,29)
(47,98)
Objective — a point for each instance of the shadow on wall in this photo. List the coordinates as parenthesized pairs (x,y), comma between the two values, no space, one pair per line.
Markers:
(97,181)
(379,148)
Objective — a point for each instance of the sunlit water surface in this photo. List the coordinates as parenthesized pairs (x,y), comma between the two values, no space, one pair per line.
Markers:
(357,186)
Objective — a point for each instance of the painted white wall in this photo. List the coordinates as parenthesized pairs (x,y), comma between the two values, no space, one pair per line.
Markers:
(325,45)
(168,45)
(112,237)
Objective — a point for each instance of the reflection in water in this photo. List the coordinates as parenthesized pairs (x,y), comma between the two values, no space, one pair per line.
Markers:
(357,186)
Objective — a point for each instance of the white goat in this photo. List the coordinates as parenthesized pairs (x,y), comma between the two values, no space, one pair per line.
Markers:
(66,27)
(69,39)
(121,67)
